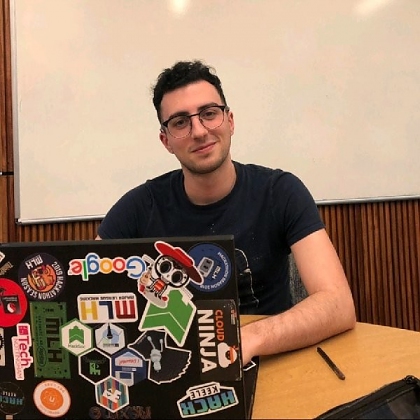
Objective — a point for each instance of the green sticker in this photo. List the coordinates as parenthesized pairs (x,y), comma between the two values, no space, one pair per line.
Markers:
(51,361)
(175,319)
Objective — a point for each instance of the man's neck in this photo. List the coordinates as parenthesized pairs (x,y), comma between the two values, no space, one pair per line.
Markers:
(203,189)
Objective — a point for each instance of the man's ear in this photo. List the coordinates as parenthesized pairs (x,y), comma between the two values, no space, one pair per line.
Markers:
(231,122)
(164,139)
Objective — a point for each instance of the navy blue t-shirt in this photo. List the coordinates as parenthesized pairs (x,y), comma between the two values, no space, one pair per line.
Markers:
(267,211)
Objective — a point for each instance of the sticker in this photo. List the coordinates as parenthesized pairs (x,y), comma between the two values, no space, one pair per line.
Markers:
(129,367)
(50,359)
(127,412)
(2,348)
(5,268)
(93,264)
(110,338)
(218,336)
(94,366)
(42,276)
(213,264)
(172,269)
(21,345)
(166,363)
(12,399)
(175,319)
(205,399)
(112,394)
(52,399)
(76,337)
(13,303)
(107,307)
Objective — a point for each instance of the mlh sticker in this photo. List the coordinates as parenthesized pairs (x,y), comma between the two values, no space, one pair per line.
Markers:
(107,307)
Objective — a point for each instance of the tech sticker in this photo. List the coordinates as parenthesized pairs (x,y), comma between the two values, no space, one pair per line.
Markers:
(13,303)
(52,399)
(41,276)
(214,265)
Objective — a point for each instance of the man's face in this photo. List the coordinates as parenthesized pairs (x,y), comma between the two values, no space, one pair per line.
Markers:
(203,150)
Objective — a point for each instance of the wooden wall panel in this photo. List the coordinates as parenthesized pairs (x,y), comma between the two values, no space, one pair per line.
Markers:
(6,128)
(3,211)
(7,225)
(379,246)
(57,231)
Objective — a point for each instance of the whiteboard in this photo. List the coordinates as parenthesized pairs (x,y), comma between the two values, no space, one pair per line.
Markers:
(326,89)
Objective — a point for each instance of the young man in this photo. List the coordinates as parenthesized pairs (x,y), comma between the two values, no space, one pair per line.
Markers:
(269,212)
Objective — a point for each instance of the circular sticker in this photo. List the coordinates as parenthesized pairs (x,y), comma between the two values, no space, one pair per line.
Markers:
(214,265)
(12,399)
(41,276)
(13,303)
(52,399)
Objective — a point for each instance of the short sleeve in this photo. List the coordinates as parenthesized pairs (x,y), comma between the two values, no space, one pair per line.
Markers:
(295,204)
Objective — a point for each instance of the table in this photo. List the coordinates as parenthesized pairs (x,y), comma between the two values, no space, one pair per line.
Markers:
(299,384)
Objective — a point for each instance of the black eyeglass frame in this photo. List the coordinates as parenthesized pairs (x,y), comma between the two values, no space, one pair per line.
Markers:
(222,107)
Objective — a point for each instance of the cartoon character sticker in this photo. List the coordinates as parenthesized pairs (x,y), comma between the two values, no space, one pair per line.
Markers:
(42,276)
(172,269)
(166,363)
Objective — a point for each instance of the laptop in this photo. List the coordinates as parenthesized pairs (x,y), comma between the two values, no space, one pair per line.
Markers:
(145,328)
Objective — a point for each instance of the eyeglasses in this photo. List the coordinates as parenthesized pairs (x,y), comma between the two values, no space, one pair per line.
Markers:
(211,117)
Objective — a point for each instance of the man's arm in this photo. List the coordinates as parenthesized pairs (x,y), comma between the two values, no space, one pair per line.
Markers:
(328,310)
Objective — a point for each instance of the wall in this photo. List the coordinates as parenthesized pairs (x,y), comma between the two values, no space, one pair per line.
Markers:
(378,242)
(324,89)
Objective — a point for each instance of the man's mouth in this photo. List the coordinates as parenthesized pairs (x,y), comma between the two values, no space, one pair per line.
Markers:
(204,148)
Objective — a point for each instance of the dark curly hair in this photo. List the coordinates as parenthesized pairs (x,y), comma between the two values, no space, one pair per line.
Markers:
(182,74)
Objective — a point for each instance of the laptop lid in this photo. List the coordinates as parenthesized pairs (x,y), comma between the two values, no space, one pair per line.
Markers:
(143,328)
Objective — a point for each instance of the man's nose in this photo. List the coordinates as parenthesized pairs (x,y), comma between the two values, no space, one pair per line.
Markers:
(197,128)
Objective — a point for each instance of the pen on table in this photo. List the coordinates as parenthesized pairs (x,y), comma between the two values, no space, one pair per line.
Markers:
(330,363)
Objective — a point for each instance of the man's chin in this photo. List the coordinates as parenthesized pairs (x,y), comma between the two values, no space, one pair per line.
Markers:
(204,168)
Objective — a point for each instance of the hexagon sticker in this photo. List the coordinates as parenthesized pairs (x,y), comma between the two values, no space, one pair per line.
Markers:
(111,394)
(94,366)
(129,367)
(110,338)
(76,337)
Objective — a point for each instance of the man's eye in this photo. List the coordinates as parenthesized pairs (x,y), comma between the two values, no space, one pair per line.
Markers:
(179,122)
(208,114)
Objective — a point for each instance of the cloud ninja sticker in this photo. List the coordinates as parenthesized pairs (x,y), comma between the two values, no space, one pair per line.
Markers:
(41,276)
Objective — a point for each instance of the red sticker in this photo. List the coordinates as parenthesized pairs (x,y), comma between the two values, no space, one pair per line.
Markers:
(13,303)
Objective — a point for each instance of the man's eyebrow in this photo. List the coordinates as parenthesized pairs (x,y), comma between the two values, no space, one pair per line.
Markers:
(200,108)
(185,113)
